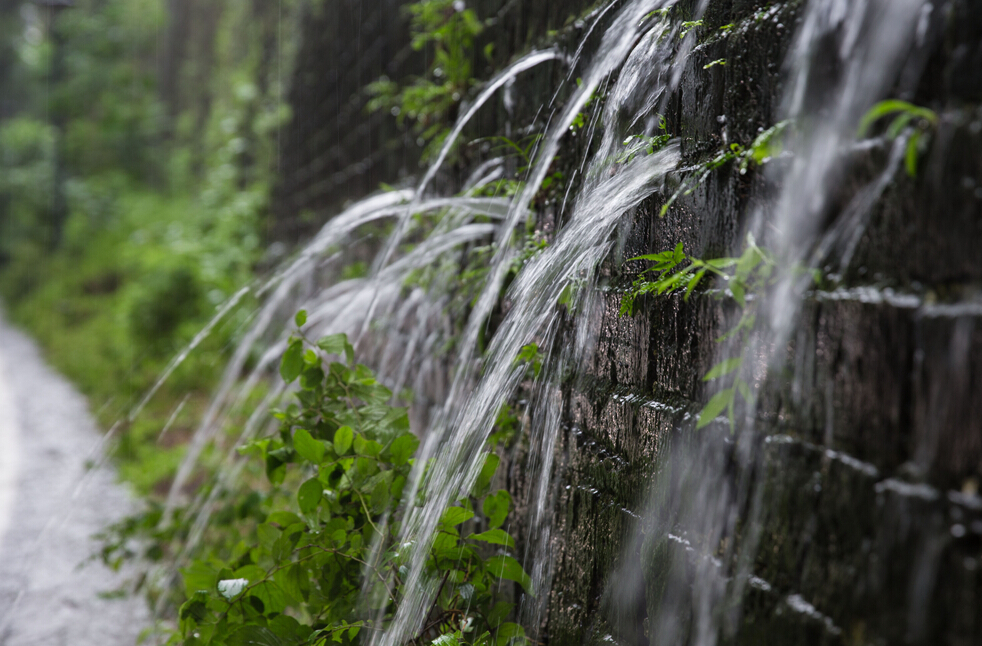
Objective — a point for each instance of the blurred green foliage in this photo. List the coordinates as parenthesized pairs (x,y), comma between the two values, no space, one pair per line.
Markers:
(166,189)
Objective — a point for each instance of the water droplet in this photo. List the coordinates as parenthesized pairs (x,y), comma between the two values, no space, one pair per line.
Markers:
(958,530)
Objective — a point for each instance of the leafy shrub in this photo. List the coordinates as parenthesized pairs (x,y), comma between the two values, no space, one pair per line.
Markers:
(169,297)
(318,560)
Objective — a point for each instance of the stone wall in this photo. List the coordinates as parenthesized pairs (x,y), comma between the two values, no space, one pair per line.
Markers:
(871,525)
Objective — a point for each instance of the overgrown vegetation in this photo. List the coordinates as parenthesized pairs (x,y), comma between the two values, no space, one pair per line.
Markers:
(446,29)
(740,278)
(311,555)
(746,278)
(749,274)
(165,191)
(766,146)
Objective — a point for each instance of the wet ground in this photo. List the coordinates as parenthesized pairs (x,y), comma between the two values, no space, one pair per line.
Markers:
(52,500)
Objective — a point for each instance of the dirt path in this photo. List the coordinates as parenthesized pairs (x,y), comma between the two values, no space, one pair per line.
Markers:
(50,505)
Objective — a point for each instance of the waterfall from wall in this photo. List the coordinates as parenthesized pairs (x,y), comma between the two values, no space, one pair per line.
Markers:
(699,533)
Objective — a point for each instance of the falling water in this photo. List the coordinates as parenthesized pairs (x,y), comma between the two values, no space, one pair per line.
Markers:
(709,502)
(569,263)
(701,526)
(347,306)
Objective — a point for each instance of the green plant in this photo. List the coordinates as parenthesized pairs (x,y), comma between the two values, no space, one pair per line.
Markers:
(644,143)
(581,117)
(316,543)
(430,102)
(674,271)
(766,145)
(922,120)
(165,194)
(168,298)
(532,358)
(688,26)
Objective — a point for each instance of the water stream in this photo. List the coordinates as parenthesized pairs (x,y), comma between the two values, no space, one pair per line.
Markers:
(714,493)
(700,523)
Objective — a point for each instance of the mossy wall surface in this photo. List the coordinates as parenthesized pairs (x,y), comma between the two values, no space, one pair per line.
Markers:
(872,530)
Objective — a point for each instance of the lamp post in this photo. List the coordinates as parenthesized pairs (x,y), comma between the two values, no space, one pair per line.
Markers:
(59,202)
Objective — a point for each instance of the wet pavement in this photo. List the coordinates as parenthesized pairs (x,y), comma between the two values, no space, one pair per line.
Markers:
(51,592)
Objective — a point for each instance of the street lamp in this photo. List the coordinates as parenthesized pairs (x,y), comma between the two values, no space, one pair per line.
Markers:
(59,203)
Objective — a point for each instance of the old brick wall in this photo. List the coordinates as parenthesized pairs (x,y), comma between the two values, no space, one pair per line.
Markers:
(871,461)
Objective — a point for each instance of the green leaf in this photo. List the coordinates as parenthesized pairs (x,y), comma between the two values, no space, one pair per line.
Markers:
(483,482)
(403,448)
(301,318)
(454,516)
(505,567)
(747,263)
(253,573)
(359,444)
(333,343)
(530,354)
(309,495)
(696,277)
(716,405)
(898,125)
(292,362)
(308,448)
(499,613)
(288,628)
(656,257)
(294,581)
(252,635)
(679,254)
(380,496)
(744,391)
(890,106)
(342,439)
(495,537)
(194,608)
(496,508)
(910,156)
(283,518)
(199,576)
(267,534)
(507,632)
(449,639)
(724,367)
(274,601)
(739,295)
(312,376)
(627,304)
